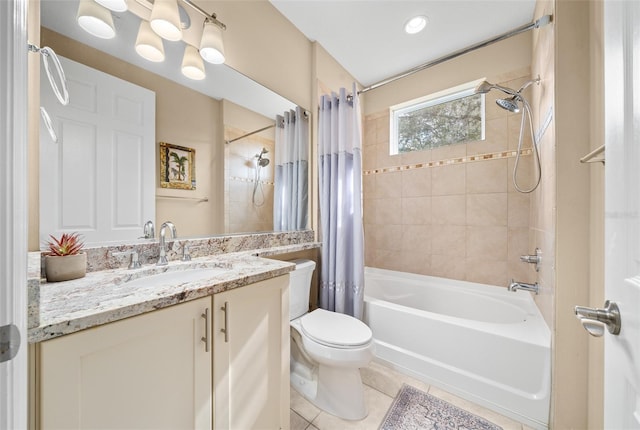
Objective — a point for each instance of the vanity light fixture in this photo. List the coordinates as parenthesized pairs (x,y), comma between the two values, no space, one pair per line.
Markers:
(211,46)
(165,19)
(192,65)
(416,24)
(149,44)
(114,5)
(95,19)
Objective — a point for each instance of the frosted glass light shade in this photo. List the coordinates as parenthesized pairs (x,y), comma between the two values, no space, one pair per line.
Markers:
(95,19)
(114,5)
(211,46)
(165,19)
(192,65)
(148,44)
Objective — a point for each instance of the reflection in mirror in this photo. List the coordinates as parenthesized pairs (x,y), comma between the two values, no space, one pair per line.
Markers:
(199,115)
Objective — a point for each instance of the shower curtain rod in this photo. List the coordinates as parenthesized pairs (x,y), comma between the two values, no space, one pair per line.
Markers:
(540,22)
(304,113)
(252,133)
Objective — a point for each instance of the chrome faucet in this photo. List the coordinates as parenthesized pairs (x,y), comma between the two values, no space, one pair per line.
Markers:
(513,286)
(162,260)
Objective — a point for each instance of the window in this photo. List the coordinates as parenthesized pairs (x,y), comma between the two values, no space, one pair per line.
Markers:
(446,118)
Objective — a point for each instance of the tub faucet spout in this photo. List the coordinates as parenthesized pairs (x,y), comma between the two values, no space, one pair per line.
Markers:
(162,260)
(513,286)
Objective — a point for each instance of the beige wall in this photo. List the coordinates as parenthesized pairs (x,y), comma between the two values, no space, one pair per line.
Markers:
(561,215)
(493,62)
(183,117)
(462,219)
(263,45)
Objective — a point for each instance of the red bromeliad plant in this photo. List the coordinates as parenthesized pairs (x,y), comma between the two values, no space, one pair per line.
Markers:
(68,244)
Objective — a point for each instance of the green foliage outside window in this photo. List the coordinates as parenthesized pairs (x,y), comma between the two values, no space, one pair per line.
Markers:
(439,124)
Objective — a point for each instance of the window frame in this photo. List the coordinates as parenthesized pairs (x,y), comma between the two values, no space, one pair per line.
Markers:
(445,96)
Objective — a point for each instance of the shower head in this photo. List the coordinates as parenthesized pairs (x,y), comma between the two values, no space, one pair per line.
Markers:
(510,104)
(262,162)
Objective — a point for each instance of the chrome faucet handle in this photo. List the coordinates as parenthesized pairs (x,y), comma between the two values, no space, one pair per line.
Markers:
(186,256)
(533,259)
(135,261)
(148,230)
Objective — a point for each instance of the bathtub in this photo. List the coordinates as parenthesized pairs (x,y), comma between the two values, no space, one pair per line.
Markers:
(480,342)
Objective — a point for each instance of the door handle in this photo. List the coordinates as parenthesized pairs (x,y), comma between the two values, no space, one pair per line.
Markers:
(595,319)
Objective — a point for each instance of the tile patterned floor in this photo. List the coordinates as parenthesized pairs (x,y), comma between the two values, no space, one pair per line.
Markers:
(381,386)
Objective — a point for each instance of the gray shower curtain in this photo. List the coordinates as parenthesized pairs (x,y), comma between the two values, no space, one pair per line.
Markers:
(291,182)
(340,178)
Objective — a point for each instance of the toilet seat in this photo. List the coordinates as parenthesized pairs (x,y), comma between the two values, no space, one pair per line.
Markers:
(335,329)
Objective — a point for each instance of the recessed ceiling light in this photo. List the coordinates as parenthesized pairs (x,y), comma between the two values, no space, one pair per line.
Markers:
(416,24)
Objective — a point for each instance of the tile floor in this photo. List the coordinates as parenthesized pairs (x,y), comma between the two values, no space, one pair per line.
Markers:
(381,386)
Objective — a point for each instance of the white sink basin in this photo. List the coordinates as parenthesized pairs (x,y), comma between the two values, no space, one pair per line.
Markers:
(177,277)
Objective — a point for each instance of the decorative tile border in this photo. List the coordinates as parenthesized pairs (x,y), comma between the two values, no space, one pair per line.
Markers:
(451,161)
(237,178)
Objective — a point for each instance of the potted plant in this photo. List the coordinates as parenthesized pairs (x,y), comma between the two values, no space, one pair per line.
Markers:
(63,259)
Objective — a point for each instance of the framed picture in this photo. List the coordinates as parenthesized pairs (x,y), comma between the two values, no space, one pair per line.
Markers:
(177,167)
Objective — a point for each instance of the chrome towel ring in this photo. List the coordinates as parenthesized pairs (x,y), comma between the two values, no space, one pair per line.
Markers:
(61,92)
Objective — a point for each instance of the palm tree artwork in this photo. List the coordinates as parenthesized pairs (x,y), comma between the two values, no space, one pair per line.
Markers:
(179,171)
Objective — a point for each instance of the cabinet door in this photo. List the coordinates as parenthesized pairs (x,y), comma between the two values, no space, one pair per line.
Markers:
(146,372)
(251,366)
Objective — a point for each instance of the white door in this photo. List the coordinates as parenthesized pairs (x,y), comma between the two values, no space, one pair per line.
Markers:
(13,214)
(622,211)
(99,178)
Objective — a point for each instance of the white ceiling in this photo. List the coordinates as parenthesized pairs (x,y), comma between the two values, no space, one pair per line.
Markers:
(367,36)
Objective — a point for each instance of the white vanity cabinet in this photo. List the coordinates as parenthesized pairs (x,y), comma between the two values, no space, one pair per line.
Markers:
(146,372)
(251,356)
(173,368)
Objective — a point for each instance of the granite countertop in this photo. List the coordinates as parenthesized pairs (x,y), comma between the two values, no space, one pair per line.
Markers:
(110,295)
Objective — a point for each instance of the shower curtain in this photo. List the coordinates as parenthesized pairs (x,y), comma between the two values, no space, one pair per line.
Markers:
(291,182)
(340,178)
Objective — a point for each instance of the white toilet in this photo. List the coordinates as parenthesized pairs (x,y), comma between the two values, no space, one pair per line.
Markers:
(327,351)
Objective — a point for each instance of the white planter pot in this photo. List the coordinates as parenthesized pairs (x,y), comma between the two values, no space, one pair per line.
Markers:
(65,268)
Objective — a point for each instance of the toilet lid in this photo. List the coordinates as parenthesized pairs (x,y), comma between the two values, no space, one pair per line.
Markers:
(335,329)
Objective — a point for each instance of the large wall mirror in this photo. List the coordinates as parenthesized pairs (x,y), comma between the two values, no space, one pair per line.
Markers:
(226,119)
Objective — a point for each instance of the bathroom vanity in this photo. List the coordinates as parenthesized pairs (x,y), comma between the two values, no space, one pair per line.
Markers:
(202,345)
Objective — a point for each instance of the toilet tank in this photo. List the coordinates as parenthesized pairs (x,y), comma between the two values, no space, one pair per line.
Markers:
(299,287)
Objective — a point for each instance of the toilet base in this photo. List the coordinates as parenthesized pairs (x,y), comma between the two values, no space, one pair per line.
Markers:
(338,391)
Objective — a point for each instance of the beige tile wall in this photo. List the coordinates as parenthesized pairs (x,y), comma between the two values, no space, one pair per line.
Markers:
(461,220)
(241,213)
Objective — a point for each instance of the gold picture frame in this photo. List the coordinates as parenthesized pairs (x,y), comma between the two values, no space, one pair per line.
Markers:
(177,167)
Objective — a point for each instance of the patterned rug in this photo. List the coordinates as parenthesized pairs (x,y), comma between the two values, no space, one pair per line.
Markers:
(413,409)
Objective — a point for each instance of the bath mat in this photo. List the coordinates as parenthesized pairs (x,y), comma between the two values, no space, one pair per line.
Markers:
(414,409)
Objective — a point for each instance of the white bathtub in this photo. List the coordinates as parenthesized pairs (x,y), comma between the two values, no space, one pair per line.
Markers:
(481,342)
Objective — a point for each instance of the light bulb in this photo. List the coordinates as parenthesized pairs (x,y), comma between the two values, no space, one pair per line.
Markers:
(95,19)
(149,44)
(211,46)
(165,19)
(192,65)
(416,24)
